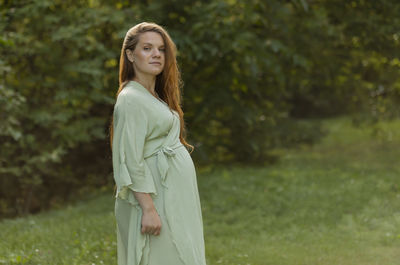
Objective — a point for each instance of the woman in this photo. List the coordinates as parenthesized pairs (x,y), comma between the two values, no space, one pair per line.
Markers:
(157,205)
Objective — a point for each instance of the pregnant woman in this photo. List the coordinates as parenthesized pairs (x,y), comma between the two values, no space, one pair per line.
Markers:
(157,206)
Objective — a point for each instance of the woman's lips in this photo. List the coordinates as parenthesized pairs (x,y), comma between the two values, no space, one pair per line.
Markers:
(157,63)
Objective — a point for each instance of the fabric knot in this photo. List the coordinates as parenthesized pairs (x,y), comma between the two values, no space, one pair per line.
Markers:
(168,151)
(162,162)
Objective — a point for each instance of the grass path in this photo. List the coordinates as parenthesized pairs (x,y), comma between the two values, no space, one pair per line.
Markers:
(337,202)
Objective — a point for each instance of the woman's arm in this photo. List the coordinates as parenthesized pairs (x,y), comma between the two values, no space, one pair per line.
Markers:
(151,222)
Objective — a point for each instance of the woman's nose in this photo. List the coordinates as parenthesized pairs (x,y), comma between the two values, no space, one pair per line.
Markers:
(156,53)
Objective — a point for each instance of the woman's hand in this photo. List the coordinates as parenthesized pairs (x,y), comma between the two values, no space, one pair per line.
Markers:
(151,222)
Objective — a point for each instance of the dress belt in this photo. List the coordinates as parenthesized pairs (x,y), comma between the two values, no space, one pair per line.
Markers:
(162,163)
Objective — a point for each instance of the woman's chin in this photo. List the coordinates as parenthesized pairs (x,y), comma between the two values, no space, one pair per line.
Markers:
(156,72)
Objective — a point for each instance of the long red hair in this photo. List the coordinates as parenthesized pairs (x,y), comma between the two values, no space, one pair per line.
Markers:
(168,82)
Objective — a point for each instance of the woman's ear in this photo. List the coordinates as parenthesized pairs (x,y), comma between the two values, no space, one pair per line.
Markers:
(129,54)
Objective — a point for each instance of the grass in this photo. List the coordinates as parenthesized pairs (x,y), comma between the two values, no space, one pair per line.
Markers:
(337,202)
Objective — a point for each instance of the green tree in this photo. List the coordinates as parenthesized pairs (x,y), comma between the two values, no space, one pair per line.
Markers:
(253,71)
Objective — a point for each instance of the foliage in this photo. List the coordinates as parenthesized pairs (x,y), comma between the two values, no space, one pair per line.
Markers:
(250,67)
(57,101)
(251,70)
(333,203)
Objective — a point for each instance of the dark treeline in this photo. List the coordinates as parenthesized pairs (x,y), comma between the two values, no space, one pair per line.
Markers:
(254,72)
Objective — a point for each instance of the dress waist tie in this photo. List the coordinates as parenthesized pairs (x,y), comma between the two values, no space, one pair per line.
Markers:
(162,163)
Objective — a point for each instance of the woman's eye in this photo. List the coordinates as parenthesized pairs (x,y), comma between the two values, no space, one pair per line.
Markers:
(146,48)
(162,50)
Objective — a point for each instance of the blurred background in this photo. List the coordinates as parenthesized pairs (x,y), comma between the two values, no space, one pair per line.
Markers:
(254,72)
(260,78)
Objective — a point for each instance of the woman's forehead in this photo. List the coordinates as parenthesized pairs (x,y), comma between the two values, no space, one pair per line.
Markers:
(152,38)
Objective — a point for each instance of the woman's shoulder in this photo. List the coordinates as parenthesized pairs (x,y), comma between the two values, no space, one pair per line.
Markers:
(132,97)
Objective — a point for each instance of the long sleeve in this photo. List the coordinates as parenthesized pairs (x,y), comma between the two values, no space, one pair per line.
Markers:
(131,172)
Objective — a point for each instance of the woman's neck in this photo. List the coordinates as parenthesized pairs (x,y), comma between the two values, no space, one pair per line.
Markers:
(149,82)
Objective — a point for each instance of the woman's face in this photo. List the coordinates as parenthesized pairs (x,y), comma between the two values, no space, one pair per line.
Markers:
(149,54)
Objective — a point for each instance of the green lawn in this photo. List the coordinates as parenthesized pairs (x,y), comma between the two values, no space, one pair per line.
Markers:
(337,202)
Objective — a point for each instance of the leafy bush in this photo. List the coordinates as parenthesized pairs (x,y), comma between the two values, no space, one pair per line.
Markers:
(252,69)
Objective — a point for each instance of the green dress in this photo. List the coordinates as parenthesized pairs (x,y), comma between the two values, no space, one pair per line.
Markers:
(148,157)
